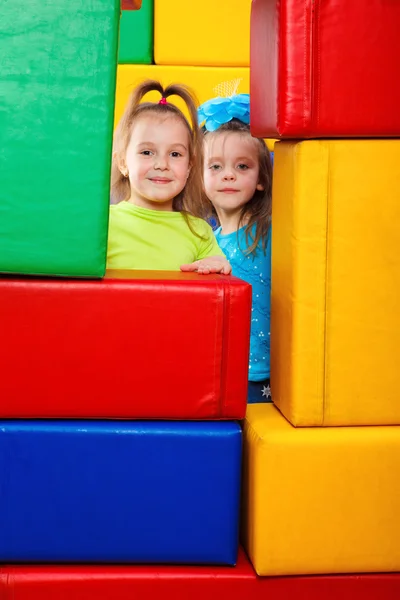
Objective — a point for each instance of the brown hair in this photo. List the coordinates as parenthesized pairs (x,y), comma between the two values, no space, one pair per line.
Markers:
(258,210)
(191,200)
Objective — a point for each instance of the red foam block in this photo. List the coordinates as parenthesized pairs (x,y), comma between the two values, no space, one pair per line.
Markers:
(183,583)
(325,69)
(131,4)
(133,345)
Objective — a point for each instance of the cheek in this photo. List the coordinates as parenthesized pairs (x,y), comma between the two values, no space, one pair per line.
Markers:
(141,167)
(209,179)
(183,171)
(251,179)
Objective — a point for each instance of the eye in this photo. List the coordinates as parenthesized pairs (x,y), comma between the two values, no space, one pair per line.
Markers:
(176,154)
(214,167)
(242,167)
(146,152)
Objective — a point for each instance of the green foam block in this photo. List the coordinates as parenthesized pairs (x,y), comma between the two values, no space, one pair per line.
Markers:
(136,38)
(57,90)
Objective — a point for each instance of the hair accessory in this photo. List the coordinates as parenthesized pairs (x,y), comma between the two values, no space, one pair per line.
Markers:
(163,101)
(226,106)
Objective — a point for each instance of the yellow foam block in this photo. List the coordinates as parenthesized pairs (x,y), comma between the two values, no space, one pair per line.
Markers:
(320,500)
(202,80)
(207,33)
(335,332)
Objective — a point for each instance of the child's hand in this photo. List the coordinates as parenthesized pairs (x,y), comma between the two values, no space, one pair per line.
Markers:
(212,264)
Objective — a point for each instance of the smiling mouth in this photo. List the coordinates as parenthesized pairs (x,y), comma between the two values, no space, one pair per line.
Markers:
(160,180)
(228,191)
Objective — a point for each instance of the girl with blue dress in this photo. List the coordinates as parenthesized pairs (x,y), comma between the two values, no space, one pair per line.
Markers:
(238,183)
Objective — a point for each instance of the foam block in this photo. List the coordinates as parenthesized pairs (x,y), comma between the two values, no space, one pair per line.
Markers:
(318,500)
(135,345)
(215,34)
(127,582)
(131,4)
(202,80)
(136,35)
(106,491)
(325,69)
(24,582)
(335,279)
(56,120)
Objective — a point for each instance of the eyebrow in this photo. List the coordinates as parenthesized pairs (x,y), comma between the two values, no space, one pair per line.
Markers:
(239,158)
(178,144)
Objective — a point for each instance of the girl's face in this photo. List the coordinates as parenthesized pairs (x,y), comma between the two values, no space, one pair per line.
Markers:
(231,171)
(157,161)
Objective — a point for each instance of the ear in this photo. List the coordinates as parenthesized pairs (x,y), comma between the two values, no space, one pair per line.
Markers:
(260,187)
(121,164)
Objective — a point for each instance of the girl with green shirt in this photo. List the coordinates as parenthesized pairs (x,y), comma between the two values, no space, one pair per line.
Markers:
(156,221)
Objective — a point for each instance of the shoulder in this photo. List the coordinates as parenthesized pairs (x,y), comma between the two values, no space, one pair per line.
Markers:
(201,227)
(122,217)
(118,209)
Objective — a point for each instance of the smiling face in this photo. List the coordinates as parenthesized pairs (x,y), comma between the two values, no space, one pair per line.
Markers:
(157,161)
(231,171)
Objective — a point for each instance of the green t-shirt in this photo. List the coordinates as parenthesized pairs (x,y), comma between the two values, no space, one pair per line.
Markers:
(139,238)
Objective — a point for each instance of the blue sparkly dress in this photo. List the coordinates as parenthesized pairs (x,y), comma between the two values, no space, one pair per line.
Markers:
(256,270)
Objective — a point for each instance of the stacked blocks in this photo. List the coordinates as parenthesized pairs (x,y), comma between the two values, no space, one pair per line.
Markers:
(123,491)
(324,497)
(56,119)
(131,346)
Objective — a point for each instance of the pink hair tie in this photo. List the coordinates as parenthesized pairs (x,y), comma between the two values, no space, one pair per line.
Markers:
(163,101)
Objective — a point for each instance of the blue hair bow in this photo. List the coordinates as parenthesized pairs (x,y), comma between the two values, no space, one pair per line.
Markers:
(218,111)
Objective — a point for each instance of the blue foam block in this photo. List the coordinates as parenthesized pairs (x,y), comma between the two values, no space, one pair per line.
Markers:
(98,491)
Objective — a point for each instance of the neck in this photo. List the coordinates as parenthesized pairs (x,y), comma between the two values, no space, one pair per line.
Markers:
(230,222)
(166,206)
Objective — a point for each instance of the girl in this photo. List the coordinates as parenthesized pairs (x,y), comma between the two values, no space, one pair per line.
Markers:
(156,182)
(238,182)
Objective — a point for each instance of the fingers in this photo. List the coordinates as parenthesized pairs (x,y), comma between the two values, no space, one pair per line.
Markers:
(190,267)
(205,268)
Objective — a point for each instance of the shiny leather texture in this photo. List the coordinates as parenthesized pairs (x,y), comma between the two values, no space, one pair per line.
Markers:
(57,91)
(103,582)
(335,332)
(165,345)
(119,492)
(325,69)
(319,500)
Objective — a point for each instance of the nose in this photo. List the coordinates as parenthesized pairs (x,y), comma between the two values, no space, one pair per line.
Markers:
(228,175)
(161,162)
